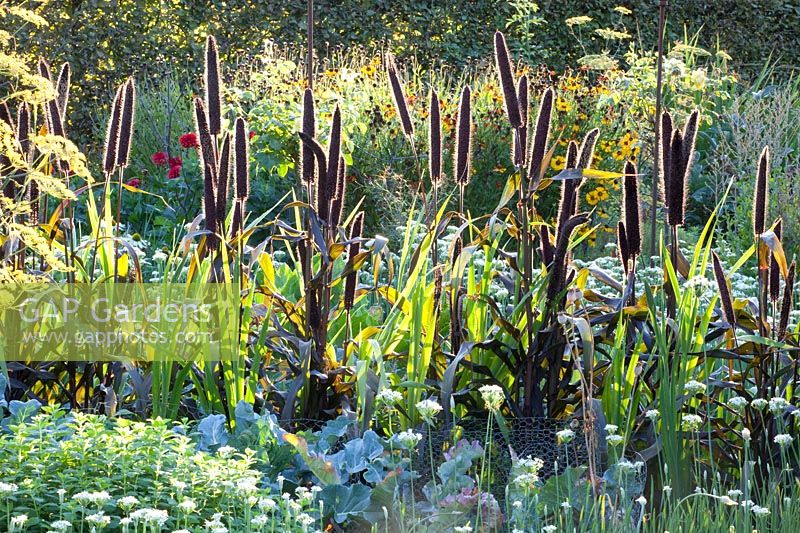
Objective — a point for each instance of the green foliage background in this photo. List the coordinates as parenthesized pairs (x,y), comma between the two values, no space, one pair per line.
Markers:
(107,40)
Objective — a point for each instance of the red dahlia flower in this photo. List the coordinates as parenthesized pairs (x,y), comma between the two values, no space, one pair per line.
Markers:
(135,182)
(175,161)
(189,140)
(159,158)
(174,172)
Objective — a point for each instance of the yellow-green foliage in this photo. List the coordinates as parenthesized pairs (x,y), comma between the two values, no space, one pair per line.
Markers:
(23,84)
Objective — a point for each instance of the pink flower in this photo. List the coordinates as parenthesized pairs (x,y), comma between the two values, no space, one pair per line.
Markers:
(174,172)
(135,182)
(189,140)
(159,158)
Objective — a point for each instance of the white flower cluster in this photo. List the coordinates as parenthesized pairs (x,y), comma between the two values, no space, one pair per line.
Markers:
(693,387)
(778,405)
(389,398)
(428,409)
(150,516)
(493,396)
(7,489)
(691,422)
(408,439)
(95,498)
(565,436)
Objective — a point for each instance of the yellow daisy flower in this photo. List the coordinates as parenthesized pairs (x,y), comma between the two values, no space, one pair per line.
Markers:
(558,162)
(563,106)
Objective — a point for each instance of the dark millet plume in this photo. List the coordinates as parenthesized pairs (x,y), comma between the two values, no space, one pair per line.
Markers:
(505,70)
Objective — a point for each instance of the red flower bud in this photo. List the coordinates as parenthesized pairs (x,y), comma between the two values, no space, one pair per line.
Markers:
(135,182)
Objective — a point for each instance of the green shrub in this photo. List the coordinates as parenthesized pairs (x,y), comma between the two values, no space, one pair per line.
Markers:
(769,116)
(148,38)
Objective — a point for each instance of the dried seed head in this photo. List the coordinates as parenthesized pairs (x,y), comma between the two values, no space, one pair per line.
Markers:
(677,186)
(34,217)
(126,124)
(355,248)
(210,205)
(622,247)
(213,98)
(52,114)
(435,140)
(334,152)
(665,153)
(689,138)
(787,303)
(587,149)
(726,302)
(223,173)
(505,70)
(522,97)
(24,129)
(398,95)
(208,159)
(241,161)
(569,198)
(541,137)
(44,70)
(572,156)
(761,199)
(774,269)
(463,155)
(62,88)
(310,129)
(322,169)
(337,205)
(112,132)
(521,134)
(633,222)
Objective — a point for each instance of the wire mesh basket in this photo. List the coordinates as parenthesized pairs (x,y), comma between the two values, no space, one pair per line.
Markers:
(522,438)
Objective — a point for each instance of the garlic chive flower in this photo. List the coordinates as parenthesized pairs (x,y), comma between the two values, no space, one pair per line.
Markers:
(7,489)
(693,387)
(778,405)
(759,404)
(691,422)
(565,436)
(493,396)
(760,511)
(388,398)
(428,409)
(408,439)
(737,403)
